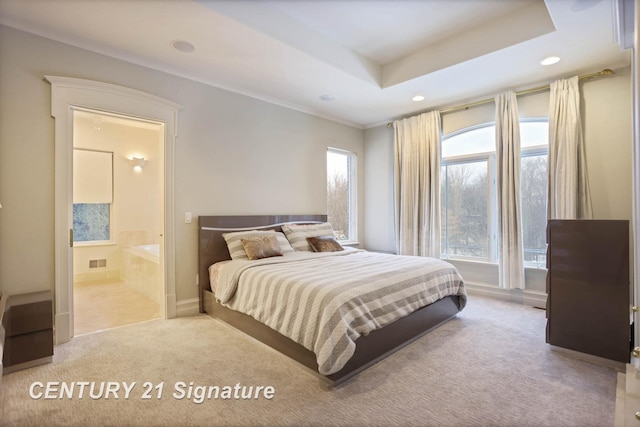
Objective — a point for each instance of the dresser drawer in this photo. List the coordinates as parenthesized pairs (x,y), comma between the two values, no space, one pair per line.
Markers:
(25,318)
(27,347)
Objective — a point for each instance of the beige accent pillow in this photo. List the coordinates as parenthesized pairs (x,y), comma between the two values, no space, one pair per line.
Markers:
(261,246)
(325,244)
(297,234)
(234,243)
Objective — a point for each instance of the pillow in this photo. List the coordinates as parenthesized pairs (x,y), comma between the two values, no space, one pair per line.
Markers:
(234,243)
(261,246)
(297,234)
(324,244)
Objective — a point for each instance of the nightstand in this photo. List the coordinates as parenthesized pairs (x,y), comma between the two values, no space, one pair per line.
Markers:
(28,324)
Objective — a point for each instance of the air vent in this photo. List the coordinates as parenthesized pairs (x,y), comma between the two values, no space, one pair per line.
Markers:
(97,263)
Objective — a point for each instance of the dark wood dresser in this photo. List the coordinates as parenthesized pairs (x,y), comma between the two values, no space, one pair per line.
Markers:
(28,324)
(588,287)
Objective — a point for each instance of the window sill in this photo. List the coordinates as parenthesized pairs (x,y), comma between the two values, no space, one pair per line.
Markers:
(490,263)
(349,243)
(92,244)
(469,260)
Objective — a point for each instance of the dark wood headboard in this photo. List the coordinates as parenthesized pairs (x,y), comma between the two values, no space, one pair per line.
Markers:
(212,247)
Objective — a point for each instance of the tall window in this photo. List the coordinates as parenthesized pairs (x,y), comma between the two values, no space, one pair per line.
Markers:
(92,195)
(342,193)
(534,180)
(469,195)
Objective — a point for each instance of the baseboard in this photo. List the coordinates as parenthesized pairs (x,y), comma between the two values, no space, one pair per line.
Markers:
(522,296)
(188,307)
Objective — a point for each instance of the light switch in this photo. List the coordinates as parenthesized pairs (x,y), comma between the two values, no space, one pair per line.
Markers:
(187,217)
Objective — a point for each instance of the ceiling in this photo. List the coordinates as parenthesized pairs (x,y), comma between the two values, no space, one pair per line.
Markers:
(368,57)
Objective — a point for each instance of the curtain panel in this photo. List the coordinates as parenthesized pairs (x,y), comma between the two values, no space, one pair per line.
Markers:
(569,196)
(417,185)
(510,246)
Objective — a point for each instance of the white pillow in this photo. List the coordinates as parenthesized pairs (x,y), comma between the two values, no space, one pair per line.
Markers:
(297,234)
(234,242)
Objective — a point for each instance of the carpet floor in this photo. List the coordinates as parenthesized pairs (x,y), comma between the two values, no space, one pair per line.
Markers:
(489,366)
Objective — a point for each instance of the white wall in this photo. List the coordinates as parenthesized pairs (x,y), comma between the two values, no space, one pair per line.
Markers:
(379,190)
(606,107)
(233,155)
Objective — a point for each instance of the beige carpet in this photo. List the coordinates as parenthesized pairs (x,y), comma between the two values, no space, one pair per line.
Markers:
(488,367)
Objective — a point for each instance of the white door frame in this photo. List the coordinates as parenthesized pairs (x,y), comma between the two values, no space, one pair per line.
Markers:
(635,85)
(67,94)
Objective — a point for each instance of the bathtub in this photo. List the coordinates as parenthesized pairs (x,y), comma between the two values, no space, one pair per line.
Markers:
(141,270)
(148,252)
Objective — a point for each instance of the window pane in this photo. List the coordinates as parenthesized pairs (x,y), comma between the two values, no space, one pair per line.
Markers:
(483,139)
(91,222)
(465,225)
(533,187)
(339,193)
(478,140)
(533,134)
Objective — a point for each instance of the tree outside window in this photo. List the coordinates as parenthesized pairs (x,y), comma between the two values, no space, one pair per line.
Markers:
(465,216)
(341,193)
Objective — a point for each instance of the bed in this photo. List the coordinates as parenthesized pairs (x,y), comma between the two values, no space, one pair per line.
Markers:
(348,351)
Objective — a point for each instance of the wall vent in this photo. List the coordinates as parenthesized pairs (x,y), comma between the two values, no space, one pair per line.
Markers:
(97,263)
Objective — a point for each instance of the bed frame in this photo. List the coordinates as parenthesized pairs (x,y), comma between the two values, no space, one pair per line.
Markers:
(369,349)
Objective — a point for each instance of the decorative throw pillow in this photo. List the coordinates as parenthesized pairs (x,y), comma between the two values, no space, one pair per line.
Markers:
(325,244)
(236,250)
(297,234)
(261,247)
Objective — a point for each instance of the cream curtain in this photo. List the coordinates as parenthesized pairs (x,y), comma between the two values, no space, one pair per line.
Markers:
(569,196)
(417,185)
(511,260)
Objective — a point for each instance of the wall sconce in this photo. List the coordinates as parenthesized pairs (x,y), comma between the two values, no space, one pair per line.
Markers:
(138,163)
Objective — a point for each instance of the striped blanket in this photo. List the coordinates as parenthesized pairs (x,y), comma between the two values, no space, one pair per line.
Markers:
(325,301)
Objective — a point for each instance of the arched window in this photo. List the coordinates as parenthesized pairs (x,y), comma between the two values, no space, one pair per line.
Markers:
(468,192)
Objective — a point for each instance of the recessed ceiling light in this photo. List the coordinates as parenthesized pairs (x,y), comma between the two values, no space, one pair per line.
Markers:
(183,46)
(327,97)
(418,98)
(550,60)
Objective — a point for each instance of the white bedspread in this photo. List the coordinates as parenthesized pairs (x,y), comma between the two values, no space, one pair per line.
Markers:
(325,301)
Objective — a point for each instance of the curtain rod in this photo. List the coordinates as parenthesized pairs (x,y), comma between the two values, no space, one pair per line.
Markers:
(605,72)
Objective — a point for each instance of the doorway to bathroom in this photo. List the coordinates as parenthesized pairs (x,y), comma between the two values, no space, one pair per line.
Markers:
(118,220)
(70,94)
